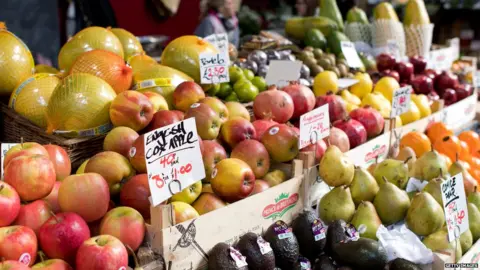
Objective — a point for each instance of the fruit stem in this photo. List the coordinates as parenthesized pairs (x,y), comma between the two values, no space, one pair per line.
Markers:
(21,141)
(1,187)
(385,179)
(407,160)
(456,156)
(135,259)
(475,189)
(446,138)
(41,255)
(54,216)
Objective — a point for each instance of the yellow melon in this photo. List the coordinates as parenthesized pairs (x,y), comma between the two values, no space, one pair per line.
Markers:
(130,43)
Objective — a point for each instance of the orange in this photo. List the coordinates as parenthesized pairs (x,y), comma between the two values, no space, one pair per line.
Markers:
(472,139)
(438,130)
(449,146)
(419,142)
(464,153)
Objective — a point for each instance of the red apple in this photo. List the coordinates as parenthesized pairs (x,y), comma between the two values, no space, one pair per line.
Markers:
(336,106)
(183,211)
(186,94)
(281,142)
(85,194)
(13,265)
(356,132)
(206,119)
(24,149)
(303,98)
(405,70)
(208,202)
(126,224)
(60,159)
(131,109)
(431,73)
(218,106)
(445,81)
(62,234)
(390,73)
(319,148)
(255,155)
(274,105)
(163,118)
(213,152)
(419,64)
(52,198)
(385,61)
(236,130)
(52,264)
(137,155)
(433,96)
(103,252)
(261,126)
(422,84)
(158,101)
(370,118)
(135,194)
(449,96)
(33,215)
(32,177)
(9,204)
(463,91)
(180,114)
(236,109)
(120,140)
(232,180)
(18,243)
(260,186)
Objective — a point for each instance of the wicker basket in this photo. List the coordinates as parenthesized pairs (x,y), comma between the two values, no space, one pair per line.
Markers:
(14,127)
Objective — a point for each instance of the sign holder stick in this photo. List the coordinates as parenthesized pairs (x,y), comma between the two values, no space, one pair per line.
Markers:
(392,125)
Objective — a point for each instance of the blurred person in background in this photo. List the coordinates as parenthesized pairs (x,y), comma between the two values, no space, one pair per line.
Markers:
(307,8)
(218,16)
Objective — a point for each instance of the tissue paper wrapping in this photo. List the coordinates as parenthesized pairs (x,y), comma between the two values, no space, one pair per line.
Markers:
(419,39)
(385,30)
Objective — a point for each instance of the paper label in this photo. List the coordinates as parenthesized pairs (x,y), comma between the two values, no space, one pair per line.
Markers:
(173,158)
(415,184)
(213,68)
(240,260)
(346,83)
(401,101)
(282,72)
(282,230)
(455,206)
(351,55)
(319,230)
(4,147)
(220,41)
(25,258)
(314,126)
(352,233)
(263,245)
(304,263)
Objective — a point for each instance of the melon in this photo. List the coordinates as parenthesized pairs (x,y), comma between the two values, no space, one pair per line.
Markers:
(40,68)
(31,97)
(107,66)
(80,102)
(16,61)
(131,45)
(183,54)
(88,39)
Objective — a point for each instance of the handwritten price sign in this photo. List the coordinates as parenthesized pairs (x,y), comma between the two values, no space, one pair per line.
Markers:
(401,101)
(213,68)
(455,206)
(220,41)
(351,55)
(173,158)
(314,126)
(4,147)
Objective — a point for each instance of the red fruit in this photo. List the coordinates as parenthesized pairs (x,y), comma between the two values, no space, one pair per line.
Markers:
(431,73)
(355,131)
(163,118)
(390,73)
(213,153)
(405,70)
(236,130)
(9,204)
(261,126)
(336,106)
(33,215)
(449,96)
(18,243)
(137,155)
(419,64)
(255,155)
(131,109)
(274,105)
(60,159)
(135,194)
(433,96)
(103,252)
(385,61)
(422,84)
(303,98)
(186,94)
(444,81)
(463,91)
(281,142)
(370,118)
(13,265)
(180,114)
(340,139)
(319,148)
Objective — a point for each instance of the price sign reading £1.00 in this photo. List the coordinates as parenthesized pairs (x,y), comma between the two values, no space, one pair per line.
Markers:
(455,206)
(314,126)
(401,101)
(173,158)
(213,68)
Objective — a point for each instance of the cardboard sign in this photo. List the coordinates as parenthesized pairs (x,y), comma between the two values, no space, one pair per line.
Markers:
(281,72)
(174,160)
(4,147)
(455,206)
(351,55)
(314,126)
(213,68)
(401,101)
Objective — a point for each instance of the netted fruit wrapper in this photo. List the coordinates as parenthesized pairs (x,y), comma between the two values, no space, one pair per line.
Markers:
(385,30)
(360,34)
(419,39)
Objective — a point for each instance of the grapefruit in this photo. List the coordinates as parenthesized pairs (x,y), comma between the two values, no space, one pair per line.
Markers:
(80,102)
(107,66)
(31,97)
(40,68)
(140,61)
(16,61)
(130,43)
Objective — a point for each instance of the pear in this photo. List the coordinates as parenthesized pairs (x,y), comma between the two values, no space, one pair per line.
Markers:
(363,187)
(336,204)
(474,198)
(396,172)
(474,221)
(425,215)
(415,13)
(434,188)
(366,216)
(335,167)
(466,241)
(438,241)
(469,183)
(407,155)
(391,203)
(429,166)
(371,168)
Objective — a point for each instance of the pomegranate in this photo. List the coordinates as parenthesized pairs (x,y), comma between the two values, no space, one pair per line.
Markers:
(303,98)
(355,131)
(370,118)
(336,106)
(321,147)
(274,105)
(445,81)
(339,138)
(261,126)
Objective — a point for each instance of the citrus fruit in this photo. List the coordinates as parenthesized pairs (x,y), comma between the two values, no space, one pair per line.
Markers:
(235,73)
(248,74)
(131,45)
(325,81)
(364,85)
(232,97)
(225,90)
(212,89)
(387,86)
(260,83)
(140,61)
(246,92)
(412,115)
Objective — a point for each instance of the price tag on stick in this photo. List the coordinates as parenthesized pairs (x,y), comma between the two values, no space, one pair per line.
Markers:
(281,72)
(213,68)
(314,126)
(455,206)
(173,158)
(351,55)
(401,101)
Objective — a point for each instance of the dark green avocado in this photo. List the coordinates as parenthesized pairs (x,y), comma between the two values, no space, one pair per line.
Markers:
(220,258)
(310,233)
(335,234)
(284,244)
(402,264)
(249,246)
(362,254)
(324,263)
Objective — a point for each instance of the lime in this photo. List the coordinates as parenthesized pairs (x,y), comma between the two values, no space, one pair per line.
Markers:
(248,74)
(232,97)
(225,90)
(260,83)
(213,89)
(235,74)
(239,84)
(246,92)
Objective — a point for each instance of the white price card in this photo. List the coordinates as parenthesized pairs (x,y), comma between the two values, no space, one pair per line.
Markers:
(401,101)
(455,206)
(173,158)
(281,72)
(351,55)
(346,83)
(314,126)
(4,147)
(213,68)
(220,41)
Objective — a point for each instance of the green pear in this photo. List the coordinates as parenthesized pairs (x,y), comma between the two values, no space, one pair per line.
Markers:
(335,167)
(366,216)
(429,166)
(363,187)
(434,188)
(466,241)
(425,215)
(474,221)
(396,172)
(407,155)
(474,198)
(336,204)
(438,241)
(391,203)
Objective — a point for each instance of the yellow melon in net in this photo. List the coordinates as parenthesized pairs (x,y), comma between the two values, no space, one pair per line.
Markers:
(31,97)
(131,45)
(107,66)
(80,102)
(88,39)
(183,54)
(40,68)
(16,61)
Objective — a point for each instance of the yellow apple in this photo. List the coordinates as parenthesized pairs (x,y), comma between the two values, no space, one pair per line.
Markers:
(188,194)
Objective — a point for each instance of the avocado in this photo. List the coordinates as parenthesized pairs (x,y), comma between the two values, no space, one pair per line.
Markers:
(357,15)
(310,232)
(329,9)
(249,245)
(284,244)
(334,41)
(336,233)
(402,264)
(220,258)
(302,264)
(315,39)
(344,268)
(324,263)
(363,253)
(297,27)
